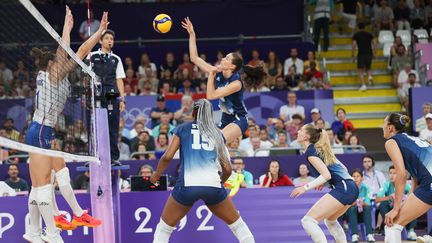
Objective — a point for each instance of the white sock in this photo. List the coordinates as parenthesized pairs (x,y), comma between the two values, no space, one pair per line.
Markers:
(56,211)
(162,232)
(393,234)
(34,226)
(336,230)
(63,180)
(44,200)
(241,231)
(311,227)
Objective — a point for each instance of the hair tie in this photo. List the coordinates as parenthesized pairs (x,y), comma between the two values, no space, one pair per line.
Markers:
(401,121)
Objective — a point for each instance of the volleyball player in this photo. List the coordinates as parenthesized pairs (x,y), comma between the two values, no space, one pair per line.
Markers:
(202,148)
(224,83)
(415,156)
(51,95)
(344,190)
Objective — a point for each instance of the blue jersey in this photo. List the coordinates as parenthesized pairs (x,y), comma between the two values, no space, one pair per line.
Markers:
(337,170)
(417,156)
(198,159)
(232,104)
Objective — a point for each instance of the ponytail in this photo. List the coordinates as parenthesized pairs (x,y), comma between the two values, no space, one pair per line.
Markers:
(321,142)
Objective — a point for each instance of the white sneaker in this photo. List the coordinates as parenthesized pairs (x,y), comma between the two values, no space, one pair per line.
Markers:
(363,87)
(53,238)
(370,238)
(424,239)
(354,238)
(33,238)
(412,235)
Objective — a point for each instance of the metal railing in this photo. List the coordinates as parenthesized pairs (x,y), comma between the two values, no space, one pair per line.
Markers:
(12,157)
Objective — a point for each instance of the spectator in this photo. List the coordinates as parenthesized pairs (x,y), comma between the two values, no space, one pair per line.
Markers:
(166,89)
(336,146)
(144,138)
(7,75)
(320,124)
(353,140)
(274,126)
(265,142)
(201,75)
(316,115)
(364,42)
(426,133)
(275,177)
(386,196)
(273,68)
(384,17)
(124,149)
(402,16)
(184,114)
(149,77)
(147,69)
(255,61)
(234,149)
(219,56)
(360,208)
(293,126)
(309,60)
(186,88)
(287,111)
(418,15)
(162,142)
(131,80)
(128,90)
(398,63)
(147,88)
(349,14)
(94,26)
(22,74)
(342,124)
(421,122)
(394,48)
(280,84)
(293,60)
(142,153)
(164,121)
(11,132)
(188,66)
(403,91)
(129,64)
(145,170)
(139,126)
(369,9)
(16,183)
(246,144)
(160,109)
(403,75)
(304,177)
(255,149)
(82,182)
(373,178)
(428,15)
(239,167)
(292,78)
(322,15)
(314,79)
(282,141)
(169,64)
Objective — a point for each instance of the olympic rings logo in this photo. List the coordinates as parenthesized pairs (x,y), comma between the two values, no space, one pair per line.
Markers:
(130,115)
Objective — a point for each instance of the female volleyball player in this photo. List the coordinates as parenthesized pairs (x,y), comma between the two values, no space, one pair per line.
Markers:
(202,148)
(225,84)
(335,203)
(415,155)
(52,92)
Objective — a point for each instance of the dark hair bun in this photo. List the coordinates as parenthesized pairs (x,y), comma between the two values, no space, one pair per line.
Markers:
(405,120)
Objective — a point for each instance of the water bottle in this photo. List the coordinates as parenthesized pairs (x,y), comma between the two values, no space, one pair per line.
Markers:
(360,205)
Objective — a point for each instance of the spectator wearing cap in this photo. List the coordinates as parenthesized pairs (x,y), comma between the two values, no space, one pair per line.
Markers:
(287,111)
(426,134)
(316,115)
(421,122)
(159,110)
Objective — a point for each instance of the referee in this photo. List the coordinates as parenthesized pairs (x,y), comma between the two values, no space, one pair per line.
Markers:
(109,68)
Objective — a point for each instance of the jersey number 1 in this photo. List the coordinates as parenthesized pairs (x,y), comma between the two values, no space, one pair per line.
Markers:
(200,142)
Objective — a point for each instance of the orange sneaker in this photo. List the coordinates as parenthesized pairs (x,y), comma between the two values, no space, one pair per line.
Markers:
(62,223)
(86,220)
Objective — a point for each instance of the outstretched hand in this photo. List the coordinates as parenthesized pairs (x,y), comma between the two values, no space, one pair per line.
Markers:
(68,23)
(104,22)
(187,24)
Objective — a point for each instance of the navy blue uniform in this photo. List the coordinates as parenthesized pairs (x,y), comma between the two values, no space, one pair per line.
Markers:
(232,106)
(343,187)
(109,68)
(199,175)
(417,157)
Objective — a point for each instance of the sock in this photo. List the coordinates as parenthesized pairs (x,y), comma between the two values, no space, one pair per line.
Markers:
(393,234)
(34,226)
(336,230)
(162,232)
(311,227)
(44,199)
(56,211)
(241,231)
(63,180)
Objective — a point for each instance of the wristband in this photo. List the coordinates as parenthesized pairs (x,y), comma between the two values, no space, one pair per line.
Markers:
(315,183)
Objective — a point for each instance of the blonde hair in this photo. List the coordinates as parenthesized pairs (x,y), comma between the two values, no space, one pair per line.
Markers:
(321,142)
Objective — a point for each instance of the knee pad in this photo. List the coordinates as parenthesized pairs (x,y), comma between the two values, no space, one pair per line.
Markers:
(63,177)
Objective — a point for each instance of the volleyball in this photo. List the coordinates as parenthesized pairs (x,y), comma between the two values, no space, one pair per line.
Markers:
(162,23)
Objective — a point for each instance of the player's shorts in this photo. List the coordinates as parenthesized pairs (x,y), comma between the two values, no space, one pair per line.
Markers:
(241,121)
(364,61)
(39,136)
(345,191)
(188,195)
(424,192)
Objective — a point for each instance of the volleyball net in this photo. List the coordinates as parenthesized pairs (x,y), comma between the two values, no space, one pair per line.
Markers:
(42,81)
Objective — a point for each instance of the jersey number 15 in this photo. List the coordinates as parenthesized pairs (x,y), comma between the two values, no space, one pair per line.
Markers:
(200,142)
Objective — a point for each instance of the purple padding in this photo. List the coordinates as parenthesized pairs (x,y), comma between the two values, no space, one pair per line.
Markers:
(100,178)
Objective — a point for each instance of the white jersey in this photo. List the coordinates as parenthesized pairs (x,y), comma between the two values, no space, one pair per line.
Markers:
(50,99)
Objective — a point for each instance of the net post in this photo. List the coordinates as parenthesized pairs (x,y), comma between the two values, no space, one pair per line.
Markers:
(100,183)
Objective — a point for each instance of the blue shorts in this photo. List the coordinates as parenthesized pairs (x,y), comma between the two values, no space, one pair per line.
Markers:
(240,121)
(424,192)
(187,196)
(39,136)
(345,191)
